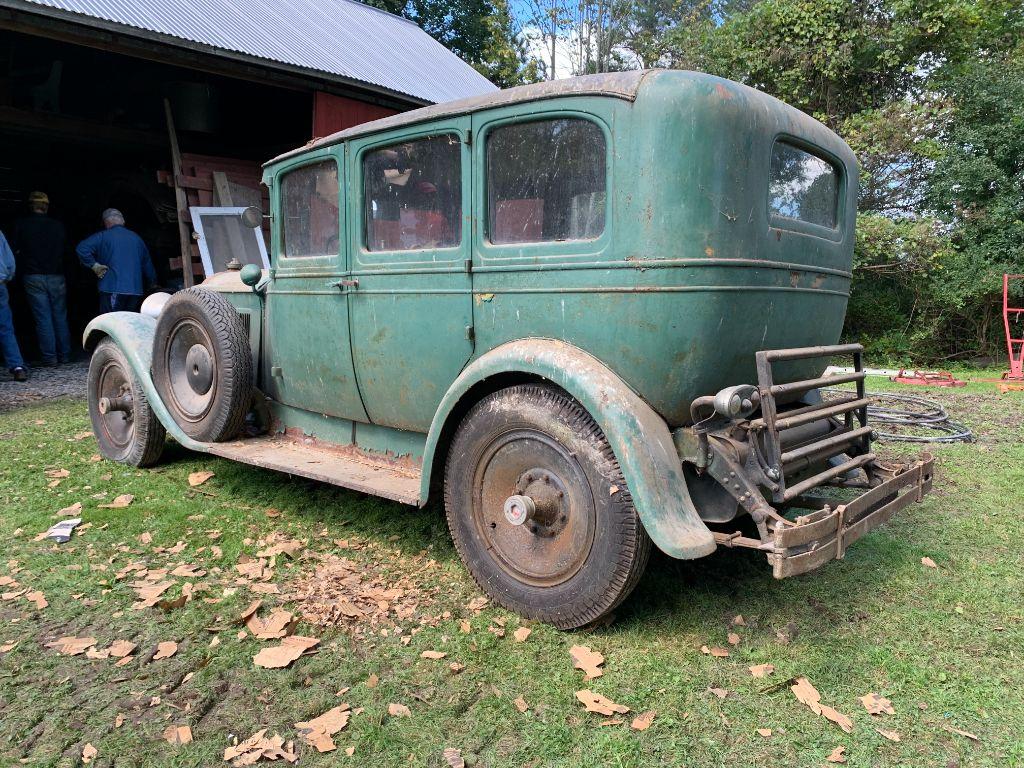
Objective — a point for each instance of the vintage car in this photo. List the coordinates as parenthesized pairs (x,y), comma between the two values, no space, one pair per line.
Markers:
(592,314)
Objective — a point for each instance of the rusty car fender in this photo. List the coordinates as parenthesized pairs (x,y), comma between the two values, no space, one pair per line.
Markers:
(133,333)
(638,436)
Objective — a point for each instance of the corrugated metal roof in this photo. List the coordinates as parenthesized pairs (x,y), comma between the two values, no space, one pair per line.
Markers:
(344,38)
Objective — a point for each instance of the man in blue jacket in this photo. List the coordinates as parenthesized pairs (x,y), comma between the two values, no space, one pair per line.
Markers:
(8,342)
(120,259)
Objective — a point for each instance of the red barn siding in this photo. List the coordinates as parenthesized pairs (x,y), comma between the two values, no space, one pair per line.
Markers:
(336,113)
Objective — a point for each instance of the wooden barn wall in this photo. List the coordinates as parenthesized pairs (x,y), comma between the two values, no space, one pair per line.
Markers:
(335,113)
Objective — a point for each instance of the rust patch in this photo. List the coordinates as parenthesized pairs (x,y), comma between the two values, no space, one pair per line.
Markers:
(818,281)
(794,278)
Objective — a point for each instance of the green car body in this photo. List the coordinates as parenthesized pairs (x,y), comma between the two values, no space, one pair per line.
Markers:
(691,274)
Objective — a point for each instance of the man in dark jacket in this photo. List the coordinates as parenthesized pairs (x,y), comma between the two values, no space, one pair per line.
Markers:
(38,243)
(120,259)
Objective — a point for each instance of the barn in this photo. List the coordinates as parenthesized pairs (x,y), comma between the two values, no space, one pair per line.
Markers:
(150,107)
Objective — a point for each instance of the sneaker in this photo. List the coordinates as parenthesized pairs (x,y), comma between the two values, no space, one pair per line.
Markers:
(20,374)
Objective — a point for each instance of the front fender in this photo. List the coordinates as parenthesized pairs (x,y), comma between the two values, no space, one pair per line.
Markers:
(639,437)
(133,333)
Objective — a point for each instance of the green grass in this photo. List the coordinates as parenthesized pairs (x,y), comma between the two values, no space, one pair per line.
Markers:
(945,645)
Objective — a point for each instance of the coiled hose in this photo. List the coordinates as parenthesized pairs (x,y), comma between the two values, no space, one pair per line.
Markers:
(912,412)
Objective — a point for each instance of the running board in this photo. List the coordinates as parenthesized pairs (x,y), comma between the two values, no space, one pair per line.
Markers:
(345,467)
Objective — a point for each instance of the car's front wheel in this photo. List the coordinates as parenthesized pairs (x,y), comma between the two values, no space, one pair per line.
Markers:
(125,426)
(539,510)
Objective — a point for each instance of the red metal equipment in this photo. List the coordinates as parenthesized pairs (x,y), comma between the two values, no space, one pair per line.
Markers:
(1014,347)
(927,378)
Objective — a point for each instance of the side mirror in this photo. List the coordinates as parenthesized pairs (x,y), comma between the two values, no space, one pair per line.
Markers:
(251,274)
(252,217)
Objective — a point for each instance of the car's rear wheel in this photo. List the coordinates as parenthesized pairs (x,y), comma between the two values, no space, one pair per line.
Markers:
(202,365)
(125,426)
(539,510)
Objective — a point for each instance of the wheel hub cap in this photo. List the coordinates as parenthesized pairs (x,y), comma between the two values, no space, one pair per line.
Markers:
(199,369)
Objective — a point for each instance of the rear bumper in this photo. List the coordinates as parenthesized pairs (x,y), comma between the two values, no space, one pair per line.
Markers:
(824,535)
(773,463)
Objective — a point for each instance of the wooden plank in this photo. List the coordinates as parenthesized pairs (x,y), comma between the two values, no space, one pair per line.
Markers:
(181,201)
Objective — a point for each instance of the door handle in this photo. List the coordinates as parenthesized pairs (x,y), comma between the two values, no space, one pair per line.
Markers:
(346,282)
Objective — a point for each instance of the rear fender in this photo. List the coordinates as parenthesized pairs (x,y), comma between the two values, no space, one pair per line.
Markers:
(133,333)
(638,436)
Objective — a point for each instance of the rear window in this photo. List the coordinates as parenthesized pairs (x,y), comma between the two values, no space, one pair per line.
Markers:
(546,181)
(803,186)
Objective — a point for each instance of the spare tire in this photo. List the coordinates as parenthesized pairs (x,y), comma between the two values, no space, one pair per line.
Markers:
(202,365)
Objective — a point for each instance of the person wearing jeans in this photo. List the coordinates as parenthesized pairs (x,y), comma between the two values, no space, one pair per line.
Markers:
(8,342)
(38,242)
(120,259)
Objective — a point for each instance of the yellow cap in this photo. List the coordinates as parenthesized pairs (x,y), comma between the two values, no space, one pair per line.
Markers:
(39,197)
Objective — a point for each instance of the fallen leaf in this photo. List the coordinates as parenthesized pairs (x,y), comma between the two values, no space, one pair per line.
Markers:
(521,704)
(259,746)
(165,650)
(762,670)
(318,731)
(89,753)
(611,721)
(435,655)
(643,721)
(120,502)
(587,660)
(521,634)
(282,655)
(121,648)
(145,537)
(71,511)
(178,735)
(719,692)
(890,735)
(958,732)
(837,755)
(398,710)
(198,478)
(273,627)
(350,751)
(595,702)
(877,705)
(372,680)
(465,627)
(453,757)
(766,732)
(253,607)
(57,473)
(477,604)
(72,646)
(928,562)
(118,720)
(808,694)
(738,620)
(717,652)
(38,598)
(733,638)
(455,667)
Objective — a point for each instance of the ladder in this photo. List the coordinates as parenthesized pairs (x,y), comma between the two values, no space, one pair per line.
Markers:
(1014,347)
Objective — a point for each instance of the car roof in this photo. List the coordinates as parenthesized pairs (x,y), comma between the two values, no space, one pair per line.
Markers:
(621,85)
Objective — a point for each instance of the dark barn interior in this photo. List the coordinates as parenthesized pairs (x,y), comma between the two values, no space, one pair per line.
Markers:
(88,127)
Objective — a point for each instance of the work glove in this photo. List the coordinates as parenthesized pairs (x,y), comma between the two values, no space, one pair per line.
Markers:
(100,269)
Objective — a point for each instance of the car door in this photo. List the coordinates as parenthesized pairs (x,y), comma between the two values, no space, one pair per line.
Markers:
(308,344)
(412,310)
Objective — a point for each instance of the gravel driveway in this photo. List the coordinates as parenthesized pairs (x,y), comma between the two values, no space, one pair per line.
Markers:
(43,384)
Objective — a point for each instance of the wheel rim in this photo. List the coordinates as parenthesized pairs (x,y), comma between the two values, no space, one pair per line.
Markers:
(550,544)
(113,384)
(191,365)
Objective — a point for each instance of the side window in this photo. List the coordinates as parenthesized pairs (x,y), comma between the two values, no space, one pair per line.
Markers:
(412,195)
(546,181)
(803,186)
(309,211)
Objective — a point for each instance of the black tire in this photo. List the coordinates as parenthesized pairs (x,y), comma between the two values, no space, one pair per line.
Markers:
(202,365)
(583,548)
(129,432)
